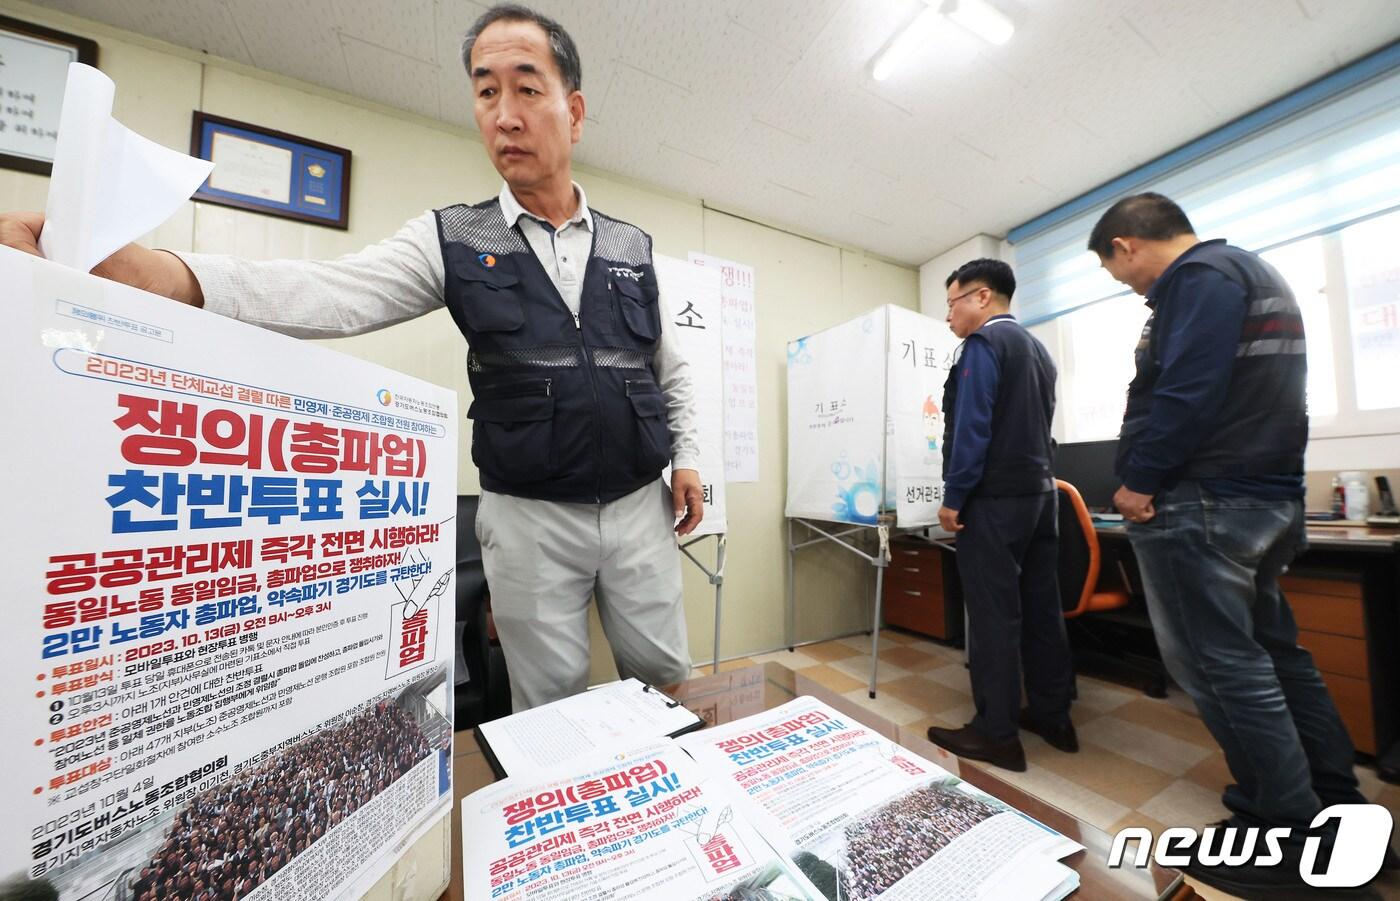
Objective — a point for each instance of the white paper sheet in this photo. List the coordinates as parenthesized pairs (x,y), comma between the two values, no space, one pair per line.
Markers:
(615,714)
(109,185)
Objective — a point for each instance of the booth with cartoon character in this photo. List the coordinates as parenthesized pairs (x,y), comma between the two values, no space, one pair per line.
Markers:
(865,433)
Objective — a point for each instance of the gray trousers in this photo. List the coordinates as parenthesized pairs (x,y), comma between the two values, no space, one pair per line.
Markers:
(544,559)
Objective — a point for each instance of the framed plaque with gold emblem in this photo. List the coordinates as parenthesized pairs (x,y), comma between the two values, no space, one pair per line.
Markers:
(266,171)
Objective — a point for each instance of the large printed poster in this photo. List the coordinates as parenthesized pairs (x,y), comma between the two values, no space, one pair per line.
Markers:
(226,661)
(690,297)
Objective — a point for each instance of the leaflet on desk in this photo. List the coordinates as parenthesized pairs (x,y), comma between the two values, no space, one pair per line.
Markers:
(228,644)
(797,802)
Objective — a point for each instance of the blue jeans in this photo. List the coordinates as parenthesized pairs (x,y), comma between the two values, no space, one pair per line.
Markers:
(1210,567)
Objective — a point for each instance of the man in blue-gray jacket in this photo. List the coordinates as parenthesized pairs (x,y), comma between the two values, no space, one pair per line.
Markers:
(1211,460)
(999,497)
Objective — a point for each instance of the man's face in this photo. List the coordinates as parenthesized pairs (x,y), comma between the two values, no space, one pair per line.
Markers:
(965,305)
(529,121)
(1129,265)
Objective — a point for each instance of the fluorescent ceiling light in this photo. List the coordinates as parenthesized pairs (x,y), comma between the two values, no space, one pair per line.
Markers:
(982,19)
(912,35)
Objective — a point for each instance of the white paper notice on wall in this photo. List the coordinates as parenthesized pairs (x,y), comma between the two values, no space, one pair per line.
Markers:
(740,367)
(691,298)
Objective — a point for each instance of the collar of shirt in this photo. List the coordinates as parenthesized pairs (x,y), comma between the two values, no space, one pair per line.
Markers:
(1000,317)
(1154,293)
(512,210)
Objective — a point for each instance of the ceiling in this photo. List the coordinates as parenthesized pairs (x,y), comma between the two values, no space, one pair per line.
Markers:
(767,106)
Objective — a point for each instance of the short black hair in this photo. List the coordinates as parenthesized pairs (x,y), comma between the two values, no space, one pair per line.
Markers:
(565,50)
(993,273)
(1150,216)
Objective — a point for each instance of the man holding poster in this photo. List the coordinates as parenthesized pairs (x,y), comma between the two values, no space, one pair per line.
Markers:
(580,398)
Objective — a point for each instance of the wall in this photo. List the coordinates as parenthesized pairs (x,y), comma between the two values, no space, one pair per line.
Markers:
(404,164)
(933,296)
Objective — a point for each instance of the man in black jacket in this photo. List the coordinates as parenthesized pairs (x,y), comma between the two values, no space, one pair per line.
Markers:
(1211,460)
(999,497)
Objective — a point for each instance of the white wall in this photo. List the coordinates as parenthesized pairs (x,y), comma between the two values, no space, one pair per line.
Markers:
(404,164)
(933,299)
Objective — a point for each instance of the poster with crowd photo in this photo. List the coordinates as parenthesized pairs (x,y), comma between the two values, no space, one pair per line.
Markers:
(690,297)
(627,824)
(862,817)
(226,655)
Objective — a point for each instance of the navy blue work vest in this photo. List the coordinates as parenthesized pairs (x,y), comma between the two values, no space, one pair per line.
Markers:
(1020,455)
(1262,426)
(562,409)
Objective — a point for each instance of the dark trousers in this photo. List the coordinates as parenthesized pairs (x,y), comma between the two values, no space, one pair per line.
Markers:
(1008,560)
(1211,567)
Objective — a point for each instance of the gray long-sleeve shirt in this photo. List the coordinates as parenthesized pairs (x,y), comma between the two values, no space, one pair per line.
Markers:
(402,277)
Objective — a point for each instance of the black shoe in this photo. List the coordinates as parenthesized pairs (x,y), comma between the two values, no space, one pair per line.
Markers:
(1059,736)
(1251,882)
(972,744)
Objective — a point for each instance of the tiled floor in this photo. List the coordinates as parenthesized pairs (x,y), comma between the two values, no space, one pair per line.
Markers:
(1142,761)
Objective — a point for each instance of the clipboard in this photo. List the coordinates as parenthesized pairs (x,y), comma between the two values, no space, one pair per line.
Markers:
(614,713)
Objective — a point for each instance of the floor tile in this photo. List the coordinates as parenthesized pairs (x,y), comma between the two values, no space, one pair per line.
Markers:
(830,678)
(790,659)
(912,659)
(885,705)
(1211,773)
(861,643)
(925,694)
(953,675)
(828,651)
(859,668)
(1114,776)
(1156,749)
(1184,803)
(1065,794)
(1101,696)
(1162,716)
(737,663)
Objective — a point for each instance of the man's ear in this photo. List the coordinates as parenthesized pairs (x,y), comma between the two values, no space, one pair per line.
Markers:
(577,110)
(1124,245)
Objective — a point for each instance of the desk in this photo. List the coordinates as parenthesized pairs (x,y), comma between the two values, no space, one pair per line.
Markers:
(1345,594)
(725,697)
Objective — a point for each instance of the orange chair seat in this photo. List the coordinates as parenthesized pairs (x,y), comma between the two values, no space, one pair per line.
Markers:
(1106,600)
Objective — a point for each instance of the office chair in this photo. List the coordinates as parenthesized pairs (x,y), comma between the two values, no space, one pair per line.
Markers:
(482,689)
(1096,620)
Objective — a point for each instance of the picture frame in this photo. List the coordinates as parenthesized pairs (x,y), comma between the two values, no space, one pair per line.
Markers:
(33,75)
(262,170)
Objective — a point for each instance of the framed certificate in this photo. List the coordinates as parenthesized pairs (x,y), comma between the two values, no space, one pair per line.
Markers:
(33,72)
(266,171)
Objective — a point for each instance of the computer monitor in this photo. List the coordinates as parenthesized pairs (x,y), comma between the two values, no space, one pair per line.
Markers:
(1088,466)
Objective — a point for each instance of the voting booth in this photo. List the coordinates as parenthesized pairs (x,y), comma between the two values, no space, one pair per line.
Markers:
(865,435)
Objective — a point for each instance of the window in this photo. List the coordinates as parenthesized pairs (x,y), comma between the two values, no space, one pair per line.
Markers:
(1098,366)
(1303,265)
(1373,310)
(1347,283)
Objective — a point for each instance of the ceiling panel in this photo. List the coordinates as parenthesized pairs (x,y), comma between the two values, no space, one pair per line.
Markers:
(767,106)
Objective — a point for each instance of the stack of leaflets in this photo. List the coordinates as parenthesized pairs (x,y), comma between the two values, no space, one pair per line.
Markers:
(799,802)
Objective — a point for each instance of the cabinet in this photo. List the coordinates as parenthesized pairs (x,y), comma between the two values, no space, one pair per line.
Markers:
(922,593)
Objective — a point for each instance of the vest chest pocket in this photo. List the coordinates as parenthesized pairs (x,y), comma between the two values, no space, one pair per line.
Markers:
(513,432)
(640,311)
(490,301)
(653,434)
